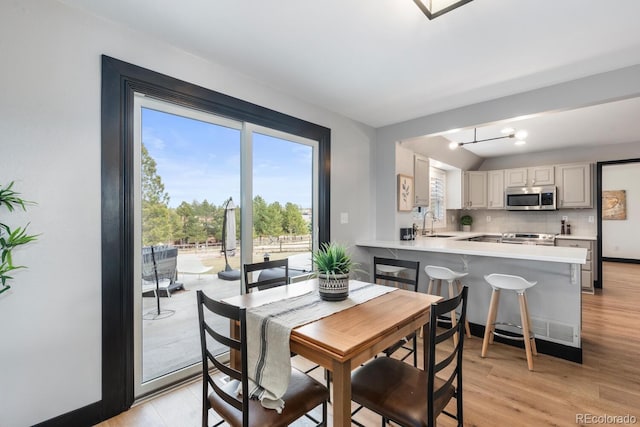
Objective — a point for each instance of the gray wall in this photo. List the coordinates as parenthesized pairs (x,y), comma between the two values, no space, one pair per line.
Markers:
(50,127)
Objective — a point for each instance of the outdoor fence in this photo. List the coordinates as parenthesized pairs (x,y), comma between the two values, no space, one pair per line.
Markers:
(260,244)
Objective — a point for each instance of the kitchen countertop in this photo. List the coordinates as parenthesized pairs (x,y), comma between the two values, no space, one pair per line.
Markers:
(575,237)
(458,244)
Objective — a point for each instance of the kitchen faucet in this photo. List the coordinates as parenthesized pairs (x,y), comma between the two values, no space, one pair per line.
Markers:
(431,214)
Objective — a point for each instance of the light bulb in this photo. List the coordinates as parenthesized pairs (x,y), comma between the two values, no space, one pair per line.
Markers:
(453,145)
(521,134)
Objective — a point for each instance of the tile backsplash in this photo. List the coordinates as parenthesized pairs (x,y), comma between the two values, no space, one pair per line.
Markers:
(501,221)
(498,221)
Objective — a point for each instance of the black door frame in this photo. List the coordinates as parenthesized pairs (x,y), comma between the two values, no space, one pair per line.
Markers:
(120,80)
(601,258)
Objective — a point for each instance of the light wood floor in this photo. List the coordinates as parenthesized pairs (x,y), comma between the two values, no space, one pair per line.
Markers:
(499,390)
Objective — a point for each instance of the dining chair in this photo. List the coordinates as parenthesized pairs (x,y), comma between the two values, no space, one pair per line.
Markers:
(401,274)
(275,273)
(410,396)
(230,399)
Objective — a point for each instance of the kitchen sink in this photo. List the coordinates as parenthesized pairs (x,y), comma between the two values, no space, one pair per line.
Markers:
(437,235)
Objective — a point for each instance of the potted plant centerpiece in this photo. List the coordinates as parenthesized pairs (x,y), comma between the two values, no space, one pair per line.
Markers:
(333,264)
(466,221)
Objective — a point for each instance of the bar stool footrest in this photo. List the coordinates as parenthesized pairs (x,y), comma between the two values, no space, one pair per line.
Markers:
(515,336)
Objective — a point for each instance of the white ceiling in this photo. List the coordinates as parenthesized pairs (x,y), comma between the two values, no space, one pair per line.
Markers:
(612,123)
(383,62)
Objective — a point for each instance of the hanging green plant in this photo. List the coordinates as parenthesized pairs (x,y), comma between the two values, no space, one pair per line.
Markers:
(11,238)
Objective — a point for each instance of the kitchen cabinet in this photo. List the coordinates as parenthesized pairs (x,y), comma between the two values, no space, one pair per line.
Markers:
(515,177)
(529,177)
(495,189)
(454,189)
(474,189)
(588,271)
(575,185)
(421,181)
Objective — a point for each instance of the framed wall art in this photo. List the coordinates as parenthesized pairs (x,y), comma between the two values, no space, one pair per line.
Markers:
(614,204)
(405,193)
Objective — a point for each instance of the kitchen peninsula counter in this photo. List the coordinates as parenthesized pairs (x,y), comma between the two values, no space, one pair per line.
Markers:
(458,244)
(554,302)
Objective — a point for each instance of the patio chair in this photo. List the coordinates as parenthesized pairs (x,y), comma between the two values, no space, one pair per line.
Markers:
(191,264)
(159,271)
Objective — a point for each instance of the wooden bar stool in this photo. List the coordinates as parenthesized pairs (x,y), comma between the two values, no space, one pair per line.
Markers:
(436,275)
(519,285)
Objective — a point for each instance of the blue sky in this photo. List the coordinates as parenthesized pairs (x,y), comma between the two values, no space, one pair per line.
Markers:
(198,160)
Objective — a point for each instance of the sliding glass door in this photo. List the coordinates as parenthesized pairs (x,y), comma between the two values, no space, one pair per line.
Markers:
(212,193)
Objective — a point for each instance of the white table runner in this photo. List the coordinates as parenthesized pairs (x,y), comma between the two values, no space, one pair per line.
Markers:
(269,329)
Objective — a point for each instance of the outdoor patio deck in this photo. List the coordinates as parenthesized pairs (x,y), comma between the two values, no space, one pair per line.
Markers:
(172,341)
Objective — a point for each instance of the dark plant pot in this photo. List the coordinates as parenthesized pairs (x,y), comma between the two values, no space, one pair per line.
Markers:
(333,287)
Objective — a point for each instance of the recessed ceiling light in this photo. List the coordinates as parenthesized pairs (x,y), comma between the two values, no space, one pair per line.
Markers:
(520,142)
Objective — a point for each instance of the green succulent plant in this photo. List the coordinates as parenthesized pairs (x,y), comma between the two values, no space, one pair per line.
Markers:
(332,259)
(11,238)
(466,220)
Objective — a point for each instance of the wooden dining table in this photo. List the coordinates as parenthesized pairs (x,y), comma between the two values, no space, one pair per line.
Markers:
(344,340)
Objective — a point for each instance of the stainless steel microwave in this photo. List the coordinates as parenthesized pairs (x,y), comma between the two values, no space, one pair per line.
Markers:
(530,198)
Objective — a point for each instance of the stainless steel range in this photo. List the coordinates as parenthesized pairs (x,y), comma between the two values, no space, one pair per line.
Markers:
(529,238)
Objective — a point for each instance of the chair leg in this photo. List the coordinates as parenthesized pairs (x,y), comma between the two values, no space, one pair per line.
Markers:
(205,415)
(327,375)
(491,319)
(459,407)
(324,414)
(534,349)
(466,322)
(430,292)
(525,330)
(453,314)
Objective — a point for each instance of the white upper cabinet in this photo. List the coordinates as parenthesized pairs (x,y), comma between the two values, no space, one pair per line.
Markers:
(541,175)
(575,185)
(495,189)
(515,177)
(529,177)
(421,182)
(475,190)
